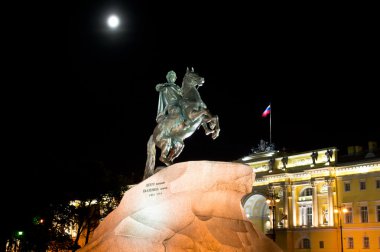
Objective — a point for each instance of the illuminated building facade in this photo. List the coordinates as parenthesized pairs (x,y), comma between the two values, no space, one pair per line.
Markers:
(311,202)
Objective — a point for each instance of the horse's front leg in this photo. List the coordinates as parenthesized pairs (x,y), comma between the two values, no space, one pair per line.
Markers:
(208,131)
(208,124)
(192,114)
(214,125)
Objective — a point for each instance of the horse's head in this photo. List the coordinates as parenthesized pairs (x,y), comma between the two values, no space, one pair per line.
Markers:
(192,79)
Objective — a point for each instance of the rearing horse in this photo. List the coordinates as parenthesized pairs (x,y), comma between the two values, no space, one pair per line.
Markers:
(181,122)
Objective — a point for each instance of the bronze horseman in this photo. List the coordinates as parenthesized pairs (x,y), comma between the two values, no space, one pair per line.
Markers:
(180,113)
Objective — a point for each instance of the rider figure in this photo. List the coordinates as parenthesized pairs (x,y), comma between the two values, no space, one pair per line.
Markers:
(169,98)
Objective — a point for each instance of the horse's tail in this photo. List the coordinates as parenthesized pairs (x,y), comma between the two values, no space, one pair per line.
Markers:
(151,158)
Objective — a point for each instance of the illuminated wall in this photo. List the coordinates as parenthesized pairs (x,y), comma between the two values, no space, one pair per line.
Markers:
(314,190)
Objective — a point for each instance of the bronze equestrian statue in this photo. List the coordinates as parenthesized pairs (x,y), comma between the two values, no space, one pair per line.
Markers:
(180,113)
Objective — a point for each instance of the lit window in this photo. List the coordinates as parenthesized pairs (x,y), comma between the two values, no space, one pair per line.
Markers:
(309,212)
(366,242)
(364,214)
(362,185)
(348,215)
(350,243)
(307,216)
(347,187)
(321,244)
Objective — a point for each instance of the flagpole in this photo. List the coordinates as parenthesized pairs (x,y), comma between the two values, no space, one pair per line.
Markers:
(270,124)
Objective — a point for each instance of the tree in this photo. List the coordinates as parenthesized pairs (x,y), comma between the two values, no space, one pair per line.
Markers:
(60,222)
(79,218)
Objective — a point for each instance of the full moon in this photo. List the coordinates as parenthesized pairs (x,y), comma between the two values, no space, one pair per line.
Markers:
(113,21)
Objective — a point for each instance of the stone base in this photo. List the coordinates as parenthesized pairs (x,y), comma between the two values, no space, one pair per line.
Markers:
(190,206)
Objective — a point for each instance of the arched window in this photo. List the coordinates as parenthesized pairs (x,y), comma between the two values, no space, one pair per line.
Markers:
(307,192)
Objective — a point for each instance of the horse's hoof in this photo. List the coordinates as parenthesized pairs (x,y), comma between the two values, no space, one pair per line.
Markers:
(165,161)
(159,168)
(215,134)
(168,163)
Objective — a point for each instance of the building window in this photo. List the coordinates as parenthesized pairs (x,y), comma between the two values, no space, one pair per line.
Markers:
(307,192)
(347,186)
(305,243)
(321,244)
(348,215)
(362,185)
(309,213)
(377,183)
(350,243)
(366,242)
(307,216)
(364,214)
(378,213)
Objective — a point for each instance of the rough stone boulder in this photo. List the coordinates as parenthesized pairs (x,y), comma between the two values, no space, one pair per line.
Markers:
(190,206)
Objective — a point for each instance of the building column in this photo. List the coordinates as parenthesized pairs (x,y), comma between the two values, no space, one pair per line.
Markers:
(286,204)
(315,205)
(301,215)
(330,202)
(294,210)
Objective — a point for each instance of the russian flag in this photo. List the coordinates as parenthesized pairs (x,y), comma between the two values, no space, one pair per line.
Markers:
(266,111)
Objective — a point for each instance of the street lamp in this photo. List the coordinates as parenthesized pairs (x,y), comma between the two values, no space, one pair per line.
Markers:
(272,199)
(339,211)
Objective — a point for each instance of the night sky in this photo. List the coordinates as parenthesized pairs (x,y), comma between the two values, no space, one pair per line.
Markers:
(77,94)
